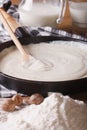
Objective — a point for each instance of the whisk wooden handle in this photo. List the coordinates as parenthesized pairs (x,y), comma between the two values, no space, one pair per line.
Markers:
(10,24)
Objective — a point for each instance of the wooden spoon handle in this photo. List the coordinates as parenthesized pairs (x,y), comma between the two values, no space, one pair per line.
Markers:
(11,33)
(11,21)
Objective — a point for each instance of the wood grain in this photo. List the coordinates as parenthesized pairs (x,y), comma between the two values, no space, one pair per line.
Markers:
(15,2)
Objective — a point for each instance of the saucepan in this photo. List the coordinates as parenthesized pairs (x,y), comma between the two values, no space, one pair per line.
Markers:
(43,87)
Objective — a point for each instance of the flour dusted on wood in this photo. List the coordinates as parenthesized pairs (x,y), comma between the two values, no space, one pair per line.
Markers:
(56,112)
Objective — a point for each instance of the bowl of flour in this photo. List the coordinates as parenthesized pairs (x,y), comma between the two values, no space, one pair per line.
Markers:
(64,67)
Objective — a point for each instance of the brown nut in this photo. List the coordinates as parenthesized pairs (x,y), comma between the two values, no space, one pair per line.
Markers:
(18,99)
(26,100)
(8,105)
(36,99)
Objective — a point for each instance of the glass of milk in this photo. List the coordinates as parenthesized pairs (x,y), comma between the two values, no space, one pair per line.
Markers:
(41,12)
(78,12)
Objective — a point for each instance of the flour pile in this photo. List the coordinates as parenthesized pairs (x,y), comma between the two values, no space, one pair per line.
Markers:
(56,112)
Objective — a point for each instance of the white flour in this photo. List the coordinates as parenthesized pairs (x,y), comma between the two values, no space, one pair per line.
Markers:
(56,112)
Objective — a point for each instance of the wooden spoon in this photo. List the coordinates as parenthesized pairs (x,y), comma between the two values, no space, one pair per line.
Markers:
(10,24)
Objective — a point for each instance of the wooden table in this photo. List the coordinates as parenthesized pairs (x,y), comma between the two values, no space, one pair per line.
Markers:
(15,1)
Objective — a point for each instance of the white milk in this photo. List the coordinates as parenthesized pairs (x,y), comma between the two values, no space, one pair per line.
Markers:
(78,13)
(41,14)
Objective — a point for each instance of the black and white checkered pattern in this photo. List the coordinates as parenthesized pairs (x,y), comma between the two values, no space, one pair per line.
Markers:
(35,31)
(5,4)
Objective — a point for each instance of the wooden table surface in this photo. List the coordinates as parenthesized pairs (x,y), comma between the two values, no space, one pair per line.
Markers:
(67,26)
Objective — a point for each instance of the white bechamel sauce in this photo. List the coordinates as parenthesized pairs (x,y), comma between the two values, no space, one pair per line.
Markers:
(59,61)
(34,64)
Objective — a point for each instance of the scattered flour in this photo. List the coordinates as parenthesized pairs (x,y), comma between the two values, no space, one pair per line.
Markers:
(56,112)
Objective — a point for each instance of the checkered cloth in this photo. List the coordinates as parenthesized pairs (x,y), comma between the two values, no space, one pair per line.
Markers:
(33,31)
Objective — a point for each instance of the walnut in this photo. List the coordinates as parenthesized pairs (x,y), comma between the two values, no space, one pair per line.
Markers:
(18,99)
(36,99)
(8,105)
(26,100)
